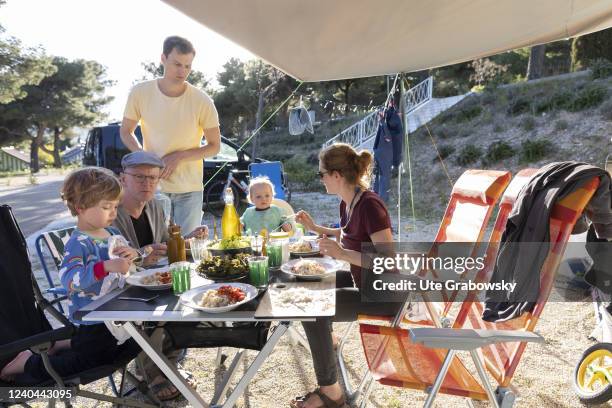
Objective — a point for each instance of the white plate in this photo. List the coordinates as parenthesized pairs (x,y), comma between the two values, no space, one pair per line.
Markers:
(192,297)
(330,265)
(135,279)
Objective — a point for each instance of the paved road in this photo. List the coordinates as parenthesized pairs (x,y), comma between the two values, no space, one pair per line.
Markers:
(36,206)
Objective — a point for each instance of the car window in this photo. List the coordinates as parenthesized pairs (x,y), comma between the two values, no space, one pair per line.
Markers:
(226,153)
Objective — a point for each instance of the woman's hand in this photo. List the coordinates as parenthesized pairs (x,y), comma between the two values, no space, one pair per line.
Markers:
(154,252)
(331,248)
(305,219)
(119,265)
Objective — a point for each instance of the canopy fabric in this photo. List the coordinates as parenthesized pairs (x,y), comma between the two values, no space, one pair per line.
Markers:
(321,40)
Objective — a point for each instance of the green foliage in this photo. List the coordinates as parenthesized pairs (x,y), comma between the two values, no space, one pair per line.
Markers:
(528,123)
(590,47)
(302,175)
(20,67)
(444,132)
(534,150)
(601,68)
(519,105)
(468,154)
(497,151)
(487,72)
(559,98)
(561,124)
(444,151)
(606,110)
(498,128)
(588,97)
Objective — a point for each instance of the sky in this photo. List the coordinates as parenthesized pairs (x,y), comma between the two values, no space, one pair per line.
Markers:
(119,34)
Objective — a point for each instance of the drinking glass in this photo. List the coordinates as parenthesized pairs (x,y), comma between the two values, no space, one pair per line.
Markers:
(275,254)
(199,249)
(181,277)
(259,273)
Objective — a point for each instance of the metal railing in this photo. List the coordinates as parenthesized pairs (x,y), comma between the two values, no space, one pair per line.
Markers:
(366,128)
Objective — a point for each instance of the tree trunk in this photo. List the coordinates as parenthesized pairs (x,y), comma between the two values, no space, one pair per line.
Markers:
(258,115)
(535,67)
(57,160)
(34,146)
(345,90)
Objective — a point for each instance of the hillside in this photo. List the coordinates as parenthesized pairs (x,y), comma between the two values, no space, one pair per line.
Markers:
(510,127)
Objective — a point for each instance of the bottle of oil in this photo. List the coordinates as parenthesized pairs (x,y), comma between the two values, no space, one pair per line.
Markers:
(230,223)
(176,245)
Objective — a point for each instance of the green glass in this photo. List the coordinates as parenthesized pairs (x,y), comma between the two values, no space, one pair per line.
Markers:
(275,254)
(181,277)
(259,273)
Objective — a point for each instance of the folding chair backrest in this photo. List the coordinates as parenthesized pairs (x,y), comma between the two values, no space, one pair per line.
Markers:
(272,170)
(505,206)
(54,243)
(502,359)
(393,359)
(20,316)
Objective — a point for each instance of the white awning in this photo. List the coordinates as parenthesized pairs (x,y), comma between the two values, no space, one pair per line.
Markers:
(320,40)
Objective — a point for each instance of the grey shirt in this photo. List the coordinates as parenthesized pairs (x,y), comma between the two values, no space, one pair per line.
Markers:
(155,214)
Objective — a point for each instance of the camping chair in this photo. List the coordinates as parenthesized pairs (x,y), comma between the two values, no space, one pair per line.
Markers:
(421,358)
(25,326)
(275,172)
(471,204)
(54,243)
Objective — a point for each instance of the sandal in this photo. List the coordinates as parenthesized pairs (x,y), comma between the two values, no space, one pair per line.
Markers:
(159,388)
(327,402)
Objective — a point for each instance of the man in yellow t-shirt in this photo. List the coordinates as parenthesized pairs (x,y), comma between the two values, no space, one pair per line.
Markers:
(173,116)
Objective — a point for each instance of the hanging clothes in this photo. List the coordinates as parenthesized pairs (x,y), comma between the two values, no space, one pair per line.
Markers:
(388,148)
(299,121)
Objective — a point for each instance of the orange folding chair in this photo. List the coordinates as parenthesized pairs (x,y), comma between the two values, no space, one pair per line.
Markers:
(425,357)
(471,204)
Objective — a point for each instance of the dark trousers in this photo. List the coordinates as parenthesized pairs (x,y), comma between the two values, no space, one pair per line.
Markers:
(91,346)
(349,304)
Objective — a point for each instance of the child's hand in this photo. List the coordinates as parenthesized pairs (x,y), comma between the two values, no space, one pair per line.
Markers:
(120,265)
(126,252)
(286,227)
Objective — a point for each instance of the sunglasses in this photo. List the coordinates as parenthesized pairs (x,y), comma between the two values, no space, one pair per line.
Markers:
(322,173)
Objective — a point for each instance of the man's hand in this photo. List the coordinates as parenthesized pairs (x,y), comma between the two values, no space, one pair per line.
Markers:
(155,251)
(200,232)
(171,161)
(120,265)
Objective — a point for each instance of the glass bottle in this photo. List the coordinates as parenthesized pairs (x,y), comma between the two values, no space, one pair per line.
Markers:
(176,245)
(230,222)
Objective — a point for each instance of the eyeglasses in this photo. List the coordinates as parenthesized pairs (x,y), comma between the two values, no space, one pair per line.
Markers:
(141,178)
(322,173)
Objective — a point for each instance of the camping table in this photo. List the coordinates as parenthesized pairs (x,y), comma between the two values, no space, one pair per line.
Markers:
(167,308)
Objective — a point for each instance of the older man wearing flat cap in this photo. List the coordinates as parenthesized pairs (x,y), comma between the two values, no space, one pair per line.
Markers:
(140,218)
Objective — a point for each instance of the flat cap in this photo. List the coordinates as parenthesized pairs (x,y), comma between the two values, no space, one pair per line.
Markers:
(140,158)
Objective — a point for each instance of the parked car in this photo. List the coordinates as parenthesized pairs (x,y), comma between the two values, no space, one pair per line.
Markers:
(104,148)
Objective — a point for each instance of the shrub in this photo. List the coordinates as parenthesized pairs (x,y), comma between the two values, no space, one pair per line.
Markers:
(528,123)
(559,99)
(498,151)
(601,68)
(534,150)
(468,113)
(302,175)
(519,105)
(444,151)
(606,110)
(561,124)
(498,128)
(443,132)
(469,154)
(588,97)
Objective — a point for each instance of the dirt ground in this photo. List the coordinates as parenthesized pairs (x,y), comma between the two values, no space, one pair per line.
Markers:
(543,378)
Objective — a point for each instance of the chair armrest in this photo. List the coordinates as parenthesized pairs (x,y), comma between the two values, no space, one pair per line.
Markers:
(469,339)
(62,333)
(60,291)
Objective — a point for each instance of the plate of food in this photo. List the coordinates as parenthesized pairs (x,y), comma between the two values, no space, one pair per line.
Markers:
(310,269)
(219,297)
(304,248)
(221,268)
(152,279)
(230,246)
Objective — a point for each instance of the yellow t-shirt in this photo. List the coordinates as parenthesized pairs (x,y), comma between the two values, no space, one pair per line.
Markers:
(169,124)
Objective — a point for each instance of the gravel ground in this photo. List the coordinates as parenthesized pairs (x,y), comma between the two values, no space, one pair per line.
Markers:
(543,377)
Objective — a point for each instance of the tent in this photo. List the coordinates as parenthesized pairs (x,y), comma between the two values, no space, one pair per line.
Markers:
(321,40)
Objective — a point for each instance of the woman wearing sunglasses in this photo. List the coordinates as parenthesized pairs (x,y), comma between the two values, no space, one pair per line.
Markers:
(363,219)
